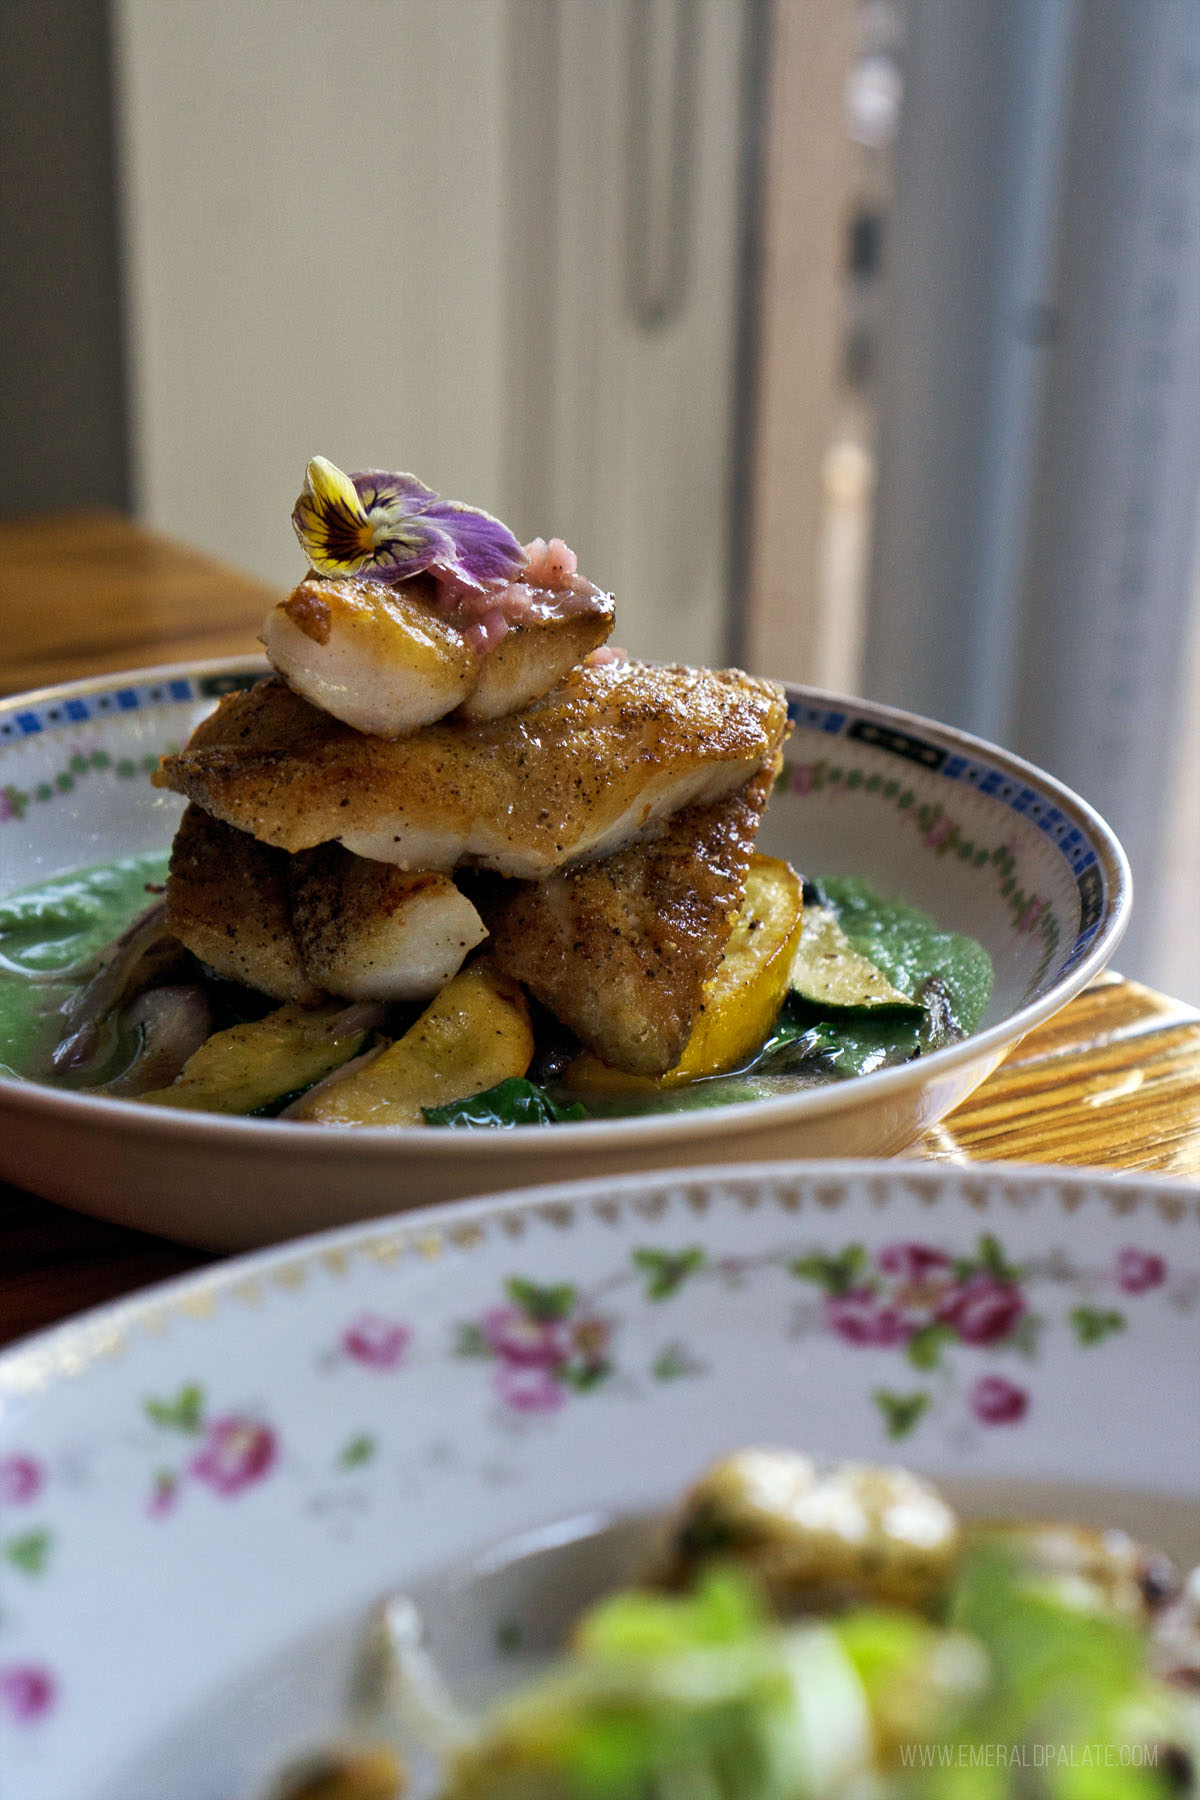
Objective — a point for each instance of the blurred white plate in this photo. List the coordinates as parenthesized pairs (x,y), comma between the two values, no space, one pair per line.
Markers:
(978,840)
(203,1489)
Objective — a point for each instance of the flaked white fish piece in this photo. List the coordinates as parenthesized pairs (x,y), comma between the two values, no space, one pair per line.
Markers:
(535,652)
(385,660)
(589,767)
(375,932)
(299,927)
(372,655)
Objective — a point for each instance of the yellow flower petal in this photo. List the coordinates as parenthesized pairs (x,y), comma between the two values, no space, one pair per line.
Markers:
(331,521)
(327,484)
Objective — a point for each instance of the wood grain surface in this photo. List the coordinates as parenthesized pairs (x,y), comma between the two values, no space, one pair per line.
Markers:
(1111,1082)
(91,593)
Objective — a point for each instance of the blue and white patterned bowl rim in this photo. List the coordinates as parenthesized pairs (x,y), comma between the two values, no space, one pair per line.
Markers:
(1019,787)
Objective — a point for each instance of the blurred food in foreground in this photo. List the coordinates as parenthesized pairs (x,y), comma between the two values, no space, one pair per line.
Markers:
(827,1632)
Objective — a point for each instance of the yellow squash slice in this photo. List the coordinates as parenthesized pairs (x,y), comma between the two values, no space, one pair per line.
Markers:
(474,1034)
(743,998)
(245,1068)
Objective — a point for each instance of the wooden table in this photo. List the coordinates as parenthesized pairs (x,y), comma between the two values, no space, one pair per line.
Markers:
(1113,1081)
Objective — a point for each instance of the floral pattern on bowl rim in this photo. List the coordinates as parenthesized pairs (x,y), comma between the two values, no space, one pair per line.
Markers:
(295,1432)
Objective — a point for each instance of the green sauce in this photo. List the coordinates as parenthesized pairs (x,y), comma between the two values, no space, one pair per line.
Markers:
(909,948)
(54,928)
(48,932)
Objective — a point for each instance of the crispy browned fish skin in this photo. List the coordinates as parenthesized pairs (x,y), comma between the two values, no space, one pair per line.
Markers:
(620,950)
(229,902)
(323,922)
(577,774)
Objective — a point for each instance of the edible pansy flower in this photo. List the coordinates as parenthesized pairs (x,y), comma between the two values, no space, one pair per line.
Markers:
(392,527)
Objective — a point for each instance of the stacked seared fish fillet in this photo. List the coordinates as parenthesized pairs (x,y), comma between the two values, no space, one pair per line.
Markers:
(397,799)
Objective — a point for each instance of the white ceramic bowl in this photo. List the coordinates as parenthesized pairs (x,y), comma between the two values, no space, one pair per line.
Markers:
(982,842)
(203,1489)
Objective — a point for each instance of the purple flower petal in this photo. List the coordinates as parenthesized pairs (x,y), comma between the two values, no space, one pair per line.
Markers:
(407,546)
(377,488)
(486,548)
(391,527)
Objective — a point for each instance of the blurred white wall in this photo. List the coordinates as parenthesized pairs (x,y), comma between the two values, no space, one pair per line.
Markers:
(396,232)
(314,209)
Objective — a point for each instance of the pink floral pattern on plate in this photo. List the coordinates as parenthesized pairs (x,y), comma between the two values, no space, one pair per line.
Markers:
(232,1452)
(236,1453)
(929,1331)
(376,1342)
(995,1400)
(27,1692)
(545,1343)
(1138,1271)
(920,1301)
(21,1480)
(932,1309)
